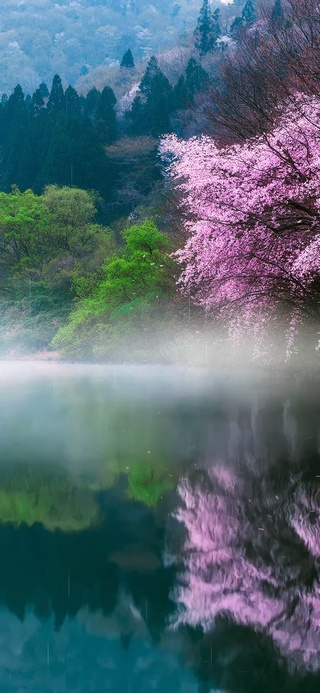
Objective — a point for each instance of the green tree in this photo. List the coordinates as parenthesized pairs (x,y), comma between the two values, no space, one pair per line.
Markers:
(277,14)
(72,105)
(247,18)
(106,121)
(152,70)
(56,100)
(73,213)
(208,29)
(132,280)
(180,94)
(91,103)
(44,91)
(196,77)
(134,160)
(249,12)
(127,59)
(24,229)
(37,103)
(152,107)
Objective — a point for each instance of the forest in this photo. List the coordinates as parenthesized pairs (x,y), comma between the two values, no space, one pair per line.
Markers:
(74,37)
(170,214)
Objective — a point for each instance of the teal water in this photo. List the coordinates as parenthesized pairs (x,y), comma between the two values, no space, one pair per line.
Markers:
(159,531)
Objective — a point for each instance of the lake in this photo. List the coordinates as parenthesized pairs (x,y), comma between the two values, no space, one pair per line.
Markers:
(159,530)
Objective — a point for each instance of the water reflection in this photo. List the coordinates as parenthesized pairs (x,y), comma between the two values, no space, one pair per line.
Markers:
(159,529)
(251,519)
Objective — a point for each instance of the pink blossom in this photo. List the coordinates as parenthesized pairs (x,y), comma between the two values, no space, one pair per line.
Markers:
(244,557)
(251,213)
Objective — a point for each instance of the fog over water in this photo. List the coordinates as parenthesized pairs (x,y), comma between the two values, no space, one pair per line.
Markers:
(159,530)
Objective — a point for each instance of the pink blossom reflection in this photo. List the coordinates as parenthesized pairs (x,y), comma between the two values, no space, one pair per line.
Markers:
(251,554)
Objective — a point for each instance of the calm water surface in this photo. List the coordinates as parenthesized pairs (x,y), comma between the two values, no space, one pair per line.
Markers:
(159,531)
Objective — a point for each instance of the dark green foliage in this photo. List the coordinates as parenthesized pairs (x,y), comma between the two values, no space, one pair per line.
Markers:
(44,91)
(180,95)
(151,109)
(57,139)
(207,30)
(196,77)
(56,100)
(37,103)
(72,106)
(277,15)
(247,18)
(175,11)
(152,70)
(105,117)
(127,59)
(187,86)
(237,28)
(91,102)
(249,12)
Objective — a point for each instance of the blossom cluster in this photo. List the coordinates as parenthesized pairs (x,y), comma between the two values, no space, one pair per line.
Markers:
(252,216)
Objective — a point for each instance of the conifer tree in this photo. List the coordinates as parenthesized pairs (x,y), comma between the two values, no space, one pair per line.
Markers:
(180,94)
(151,109)
(277,14)
(127,59)
(195,77)
(72,104)
(37,103)
(249,12)
(44,91)
(247,18)
(91,102)
(152,70)
(56,101)
(106,123)
(207,30)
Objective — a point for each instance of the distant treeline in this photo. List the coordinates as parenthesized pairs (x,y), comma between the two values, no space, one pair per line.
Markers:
(59,137)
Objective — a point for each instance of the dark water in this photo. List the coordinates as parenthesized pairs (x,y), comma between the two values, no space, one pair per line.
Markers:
(159,531)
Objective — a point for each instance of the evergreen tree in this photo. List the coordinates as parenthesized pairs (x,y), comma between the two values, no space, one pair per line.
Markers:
(237,28)
(56,101)
(277,14)
(216,26)
(37,103)
(249,12)
(72,104)
(44,91)
(152,70)
(127,59)
(196,76)
(84,71)
(41,126)
(247,18)
(91,103)
(10,116)
(58,166)
(152,107)
(106,122)
(17,143)
(180,95)
(207,30)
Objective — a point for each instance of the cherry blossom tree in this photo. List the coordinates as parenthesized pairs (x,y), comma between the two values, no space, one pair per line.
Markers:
(252,215)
